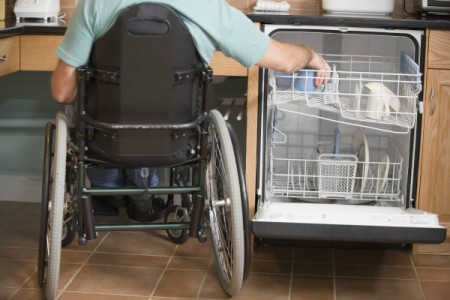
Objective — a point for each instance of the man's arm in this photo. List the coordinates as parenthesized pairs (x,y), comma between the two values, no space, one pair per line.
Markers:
(284,57)
(64,83)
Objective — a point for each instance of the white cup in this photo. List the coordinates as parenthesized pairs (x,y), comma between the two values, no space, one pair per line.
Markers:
(379,100)
(377,106)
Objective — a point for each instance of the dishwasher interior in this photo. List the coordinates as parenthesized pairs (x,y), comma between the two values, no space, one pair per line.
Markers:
(337,162)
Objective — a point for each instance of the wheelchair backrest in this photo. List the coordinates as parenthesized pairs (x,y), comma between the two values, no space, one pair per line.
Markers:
(146,70)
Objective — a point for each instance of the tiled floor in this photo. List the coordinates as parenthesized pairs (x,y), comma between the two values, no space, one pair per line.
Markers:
(143,265)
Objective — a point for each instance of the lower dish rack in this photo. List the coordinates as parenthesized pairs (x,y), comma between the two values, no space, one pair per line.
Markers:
(315,174)
(371,89)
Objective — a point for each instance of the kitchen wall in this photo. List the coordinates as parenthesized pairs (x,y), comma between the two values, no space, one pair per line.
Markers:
(296,5)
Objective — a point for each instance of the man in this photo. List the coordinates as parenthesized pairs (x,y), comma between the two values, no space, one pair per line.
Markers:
(213,24)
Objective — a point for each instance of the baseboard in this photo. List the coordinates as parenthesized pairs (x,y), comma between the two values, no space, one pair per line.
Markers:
(20,188)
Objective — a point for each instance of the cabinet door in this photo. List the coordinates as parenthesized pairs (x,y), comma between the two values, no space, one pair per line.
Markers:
(9,55)
(37,52)
(434,186)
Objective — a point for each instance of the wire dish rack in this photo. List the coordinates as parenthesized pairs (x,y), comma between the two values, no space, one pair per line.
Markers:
(304,169)
(372,89)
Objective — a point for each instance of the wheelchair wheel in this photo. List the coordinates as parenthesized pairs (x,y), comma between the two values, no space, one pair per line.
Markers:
(53,210)
(224,206)
(176,213)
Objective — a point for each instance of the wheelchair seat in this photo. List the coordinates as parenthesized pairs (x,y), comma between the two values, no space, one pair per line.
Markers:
(142,86)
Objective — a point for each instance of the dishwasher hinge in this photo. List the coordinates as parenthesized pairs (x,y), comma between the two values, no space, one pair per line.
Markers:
(420,106)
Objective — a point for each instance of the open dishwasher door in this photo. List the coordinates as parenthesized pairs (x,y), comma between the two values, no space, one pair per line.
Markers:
(338,163)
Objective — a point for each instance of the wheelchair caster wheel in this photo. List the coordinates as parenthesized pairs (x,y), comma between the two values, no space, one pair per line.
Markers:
(202,237)
(177,214)
(82,241)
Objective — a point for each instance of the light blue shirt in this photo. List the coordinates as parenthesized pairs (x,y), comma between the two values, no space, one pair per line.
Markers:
(213,24)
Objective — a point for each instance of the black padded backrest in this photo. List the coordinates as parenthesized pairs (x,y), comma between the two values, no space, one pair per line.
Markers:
(146,71)
(147,45)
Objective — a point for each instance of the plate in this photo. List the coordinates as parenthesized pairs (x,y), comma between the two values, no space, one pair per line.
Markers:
(360,147)
(383,171)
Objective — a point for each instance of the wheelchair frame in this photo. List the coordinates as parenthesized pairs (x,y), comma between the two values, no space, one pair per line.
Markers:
(227,219)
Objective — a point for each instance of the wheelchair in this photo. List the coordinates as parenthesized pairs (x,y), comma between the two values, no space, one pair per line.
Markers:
(144,101)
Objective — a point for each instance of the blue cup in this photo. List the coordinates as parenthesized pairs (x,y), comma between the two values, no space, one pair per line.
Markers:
(305,82)
(284,80)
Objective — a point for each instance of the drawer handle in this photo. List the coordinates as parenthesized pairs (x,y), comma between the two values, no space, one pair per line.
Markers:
(4,57)
(433,103)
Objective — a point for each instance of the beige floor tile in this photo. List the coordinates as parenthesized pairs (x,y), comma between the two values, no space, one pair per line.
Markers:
(76,257)
(91,244)
(377,271)
(8,208)
(314,255)
(31,210)
(6,292)
(433,261)
(9,253)
(309,269)
(66,273)
(372,257)
(211,288)
(265,287)
(312,288)
(115,280)
(180,283)
(434,274)
(436,290)
(272,252)
(17,272)
(193,248)
(26,294)
(270,266)
(137,243)
(92,296)
(128,260)
(20,232)
(371,289)
(189,263)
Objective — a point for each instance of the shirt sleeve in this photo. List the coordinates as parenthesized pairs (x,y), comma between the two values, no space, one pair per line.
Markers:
(73,50)
(240,38)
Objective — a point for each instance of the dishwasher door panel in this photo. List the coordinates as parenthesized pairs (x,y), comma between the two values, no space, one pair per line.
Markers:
(331,166)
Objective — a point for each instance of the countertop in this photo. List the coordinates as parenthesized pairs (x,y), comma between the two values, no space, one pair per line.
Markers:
(400,21)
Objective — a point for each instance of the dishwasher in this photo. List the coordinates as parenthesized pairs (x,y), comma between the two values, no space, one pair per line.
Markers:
(339,162)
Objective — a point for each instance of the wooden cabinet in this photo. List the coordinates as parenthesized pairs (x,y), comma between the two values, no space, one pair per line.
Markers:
(9,55)
(37,52)
(434,162)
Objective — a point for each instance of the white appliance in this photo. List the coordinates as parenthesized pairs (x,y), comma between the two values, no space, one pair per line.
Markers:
(383,7)
(37,9)
(330,166)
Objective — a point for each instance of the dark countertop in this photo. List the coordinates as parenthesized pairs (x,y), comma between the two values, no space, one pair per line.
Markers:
(400,21)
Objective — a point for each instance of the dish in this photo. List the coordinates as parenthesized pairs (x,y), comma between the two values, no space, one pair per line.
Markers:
(360,147)
(337,141)
(383,172)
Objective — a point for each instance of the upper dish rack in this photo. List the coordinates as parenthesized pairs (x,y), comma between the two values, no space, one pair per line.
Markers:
(372,89)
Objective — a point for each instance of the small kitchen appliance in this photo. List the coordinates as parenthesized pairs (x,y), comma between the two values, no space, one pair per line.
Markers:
(37,9)
(433,6)
(380,7)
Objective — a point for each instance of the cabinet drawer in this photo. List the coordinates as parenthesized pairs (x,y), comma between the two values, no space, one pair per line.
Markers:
(438,55)
(37,52)
(9,55)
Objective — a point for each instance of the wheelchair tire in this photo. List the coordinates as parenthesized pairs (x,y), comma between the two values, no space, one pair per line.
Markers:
(54,228)
(69,230)
(244,200)
(175,213)
(224,206)
(45,200)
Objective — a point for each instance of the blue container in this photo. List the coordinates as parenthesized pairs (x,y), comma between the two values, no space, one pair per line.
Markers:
(305,82)
(284,80)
